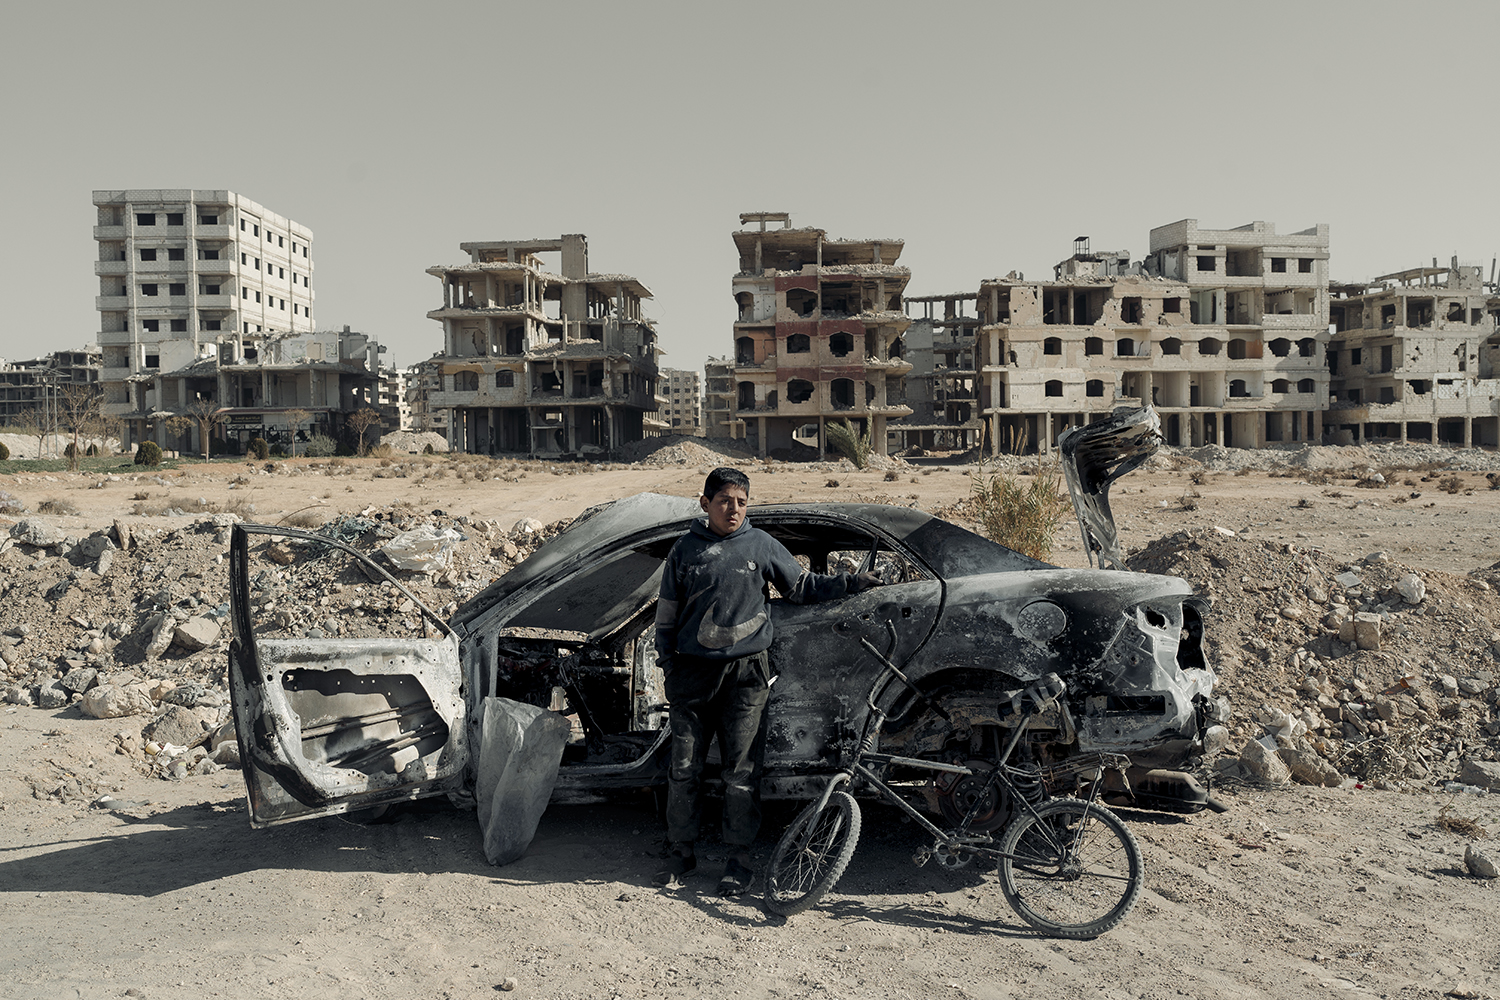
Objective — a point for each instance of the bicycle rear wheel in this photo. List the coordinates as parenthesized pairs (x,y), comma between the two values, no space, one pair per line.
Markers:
(1073,870)
(812,855)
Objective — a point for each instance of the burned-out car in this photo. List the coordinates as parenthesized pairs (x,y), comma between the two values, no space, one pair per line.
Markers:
(328,725)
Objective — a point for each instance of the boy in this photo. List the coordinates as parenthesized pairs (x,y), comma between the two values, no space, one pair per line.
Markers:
(712,637)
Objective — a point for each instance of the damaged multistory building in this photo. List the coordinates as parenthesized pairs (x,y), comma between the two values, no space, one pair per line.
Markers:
(31,389)
(942,387)
(817,337)
(683,411)
(1414,357)
(543,362)
(1223,330)
(181,272)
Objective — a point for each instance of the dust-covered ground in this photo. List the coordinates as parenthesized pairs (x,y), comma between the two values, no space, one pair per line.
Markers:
(115,881)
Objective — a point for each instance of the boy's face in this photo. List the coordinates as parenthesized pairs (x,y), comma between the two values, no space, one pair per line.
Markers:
(726,509)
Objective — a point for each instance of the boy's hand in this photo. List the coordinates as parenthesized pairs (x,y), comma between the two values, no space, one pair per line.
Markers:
(864,581)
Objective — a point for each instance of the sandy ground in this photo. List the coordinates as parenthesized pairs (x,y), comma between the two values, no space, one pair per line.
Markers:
(1304,892)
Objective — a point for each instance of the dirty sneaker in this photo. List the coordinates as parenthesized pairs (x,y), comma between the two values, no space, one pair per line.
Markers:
(737,878)
(679,865)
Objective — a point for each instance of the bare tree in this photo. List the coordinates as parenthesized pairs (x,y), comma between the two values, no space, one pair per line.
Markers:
(203,408)
(361,421)
(178,425)
(39,422)
(80,407)
(296,418)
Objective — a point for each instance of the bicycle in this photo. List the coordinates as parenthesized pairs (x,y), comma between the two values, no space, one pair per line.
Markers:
(1068,866)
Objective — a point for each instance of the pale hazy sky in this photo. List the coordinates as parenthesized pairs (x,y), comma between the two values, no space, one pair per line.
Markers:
(986,135)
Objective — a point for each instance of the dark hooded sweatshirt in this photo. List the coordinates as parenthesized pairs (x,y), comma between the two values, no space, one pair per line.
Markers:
(714,592)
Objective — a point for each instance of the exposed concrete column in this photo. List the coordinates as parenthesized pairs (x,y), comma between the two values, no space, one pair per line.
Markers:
(571,422)
(1403,432)
(878,435)
(1468,432)
(822,438)
(1359,432)
(994,432)
(1046,425)
(760,424)
(1260,429)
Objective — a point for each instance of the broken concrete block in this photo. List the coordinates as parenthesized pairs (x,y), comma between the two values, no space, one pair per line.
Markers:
(30,531)
(1347,579)
(174,724)
(520,749)
(1307,767)
(1367,631)
(281,553)
(162,626)
(17,694)
(1411,588)
(196,633)
(1484,773)
(105,562)
(1479,863)
(226,754)
(79,679)
(1263,764)
(52,695)
(122,535)
(110,701)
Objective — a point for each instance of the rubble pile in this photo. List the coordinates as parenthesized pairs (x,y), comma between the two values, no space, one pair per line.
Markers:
(1370,671)
(133,623)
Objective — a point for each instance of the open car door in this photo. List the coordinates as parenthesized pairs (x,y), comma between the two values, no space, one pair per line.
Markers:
(330,725)
(1093,457)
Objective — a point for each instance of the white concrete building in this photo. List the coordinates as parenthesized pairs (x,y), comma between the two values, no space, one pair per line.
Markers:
(183,275)
(683,392)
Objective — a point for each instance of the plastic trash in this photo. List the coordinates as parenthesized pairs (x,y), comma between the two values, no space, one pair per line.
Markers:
(520,749)
(423,549)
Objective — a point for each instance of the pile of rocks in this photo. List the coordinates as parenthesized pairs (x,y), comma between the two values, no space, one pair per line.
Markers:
(1369,671)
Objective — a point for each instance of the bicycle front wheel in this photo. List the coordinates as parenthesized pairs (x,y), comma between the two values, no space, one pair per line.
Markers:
(1073,870)
(811,856)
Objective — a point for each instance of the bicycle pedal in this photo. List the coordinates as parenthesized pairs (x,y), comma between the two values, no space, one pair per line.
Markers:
(921,856)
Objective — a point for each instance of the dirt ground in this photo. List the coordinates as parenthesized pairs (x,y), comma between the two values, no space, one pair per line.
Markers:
(1295,892)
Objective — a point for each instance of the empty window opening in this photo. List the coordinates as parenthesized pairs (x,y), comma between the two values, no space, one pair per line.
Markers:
(744,351)
(505,379)
(149,289)
(1281,347)
(1306,385)
(1420,386)
(176,253)
(1418,312)
(153,361)
(1208,264)
(1356,355)
(1307,347)
(1278,265)
(208,220)
(179,326)
(1130,309)
(746,395)
(145,218)
(1125,348)
(1456,312)
(1052,345)
(746,303)
(148,254)
(798,343)
(151,325)
(1055,306)
(1054,387)
(1387,316)
(211,324)
(1281,385)
(466,382)
(1237,388)
(798,391)
(1210,346)
(177,288)
(1385,358)
(1304,265)
(801,301)
(1172,304)
(1171,346)
(843,393)
(1237,349)
(1387,394)
(841,345)
(1093,345)
(1093,387)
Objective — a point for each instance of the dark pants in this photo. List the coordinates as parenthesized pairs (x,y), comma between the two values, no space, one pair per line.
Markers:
(724,699)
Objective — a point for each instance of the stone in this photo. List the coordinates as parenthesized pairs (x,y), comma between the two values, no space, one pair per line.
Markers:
(122,535)
(30,531)
(91,547)
(1263,764)
(226,754)
(9,655)
(110,701)
(1215,740)
(174,724)
(1347,579)
(1307,767)
(105,562)
(1479,863)
(185,694)
(1367,631)
(162,626)
(281,553)
(79,679)
(1411,588)
(221,734)
(51,695)
(17,694)
(1378,557)
(1484,773)
(196,633)
(1449,684)
(526,526)
(1473,686)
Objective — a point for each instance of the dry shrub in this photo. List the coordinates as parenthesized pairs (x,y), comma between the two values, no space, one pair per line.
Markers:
(831,483)
(1243,471)
(1304,504)
(1317,477)
(1199,476)
(1494,479)
(1189,500)
(1451,484)
(308,517)
(240,481)
(891,475)
(141,495)
(1461,825)
(383,451)
(56,506)
(1022,516)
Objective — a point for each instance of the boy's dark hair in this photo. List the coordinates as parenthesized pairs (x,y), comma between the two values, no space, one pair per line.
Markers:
(725,476)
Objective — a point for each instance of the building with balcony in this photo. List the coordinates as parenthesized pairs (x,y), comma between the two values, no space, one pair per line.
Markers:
(942,388)
(540,361)
(393,401)
(1414,358)
(683,411)
(817,336)
(182,273)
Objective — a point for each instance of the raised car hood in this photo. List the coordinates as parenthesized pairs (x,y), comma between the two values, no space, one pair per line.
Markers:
(1093,457)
